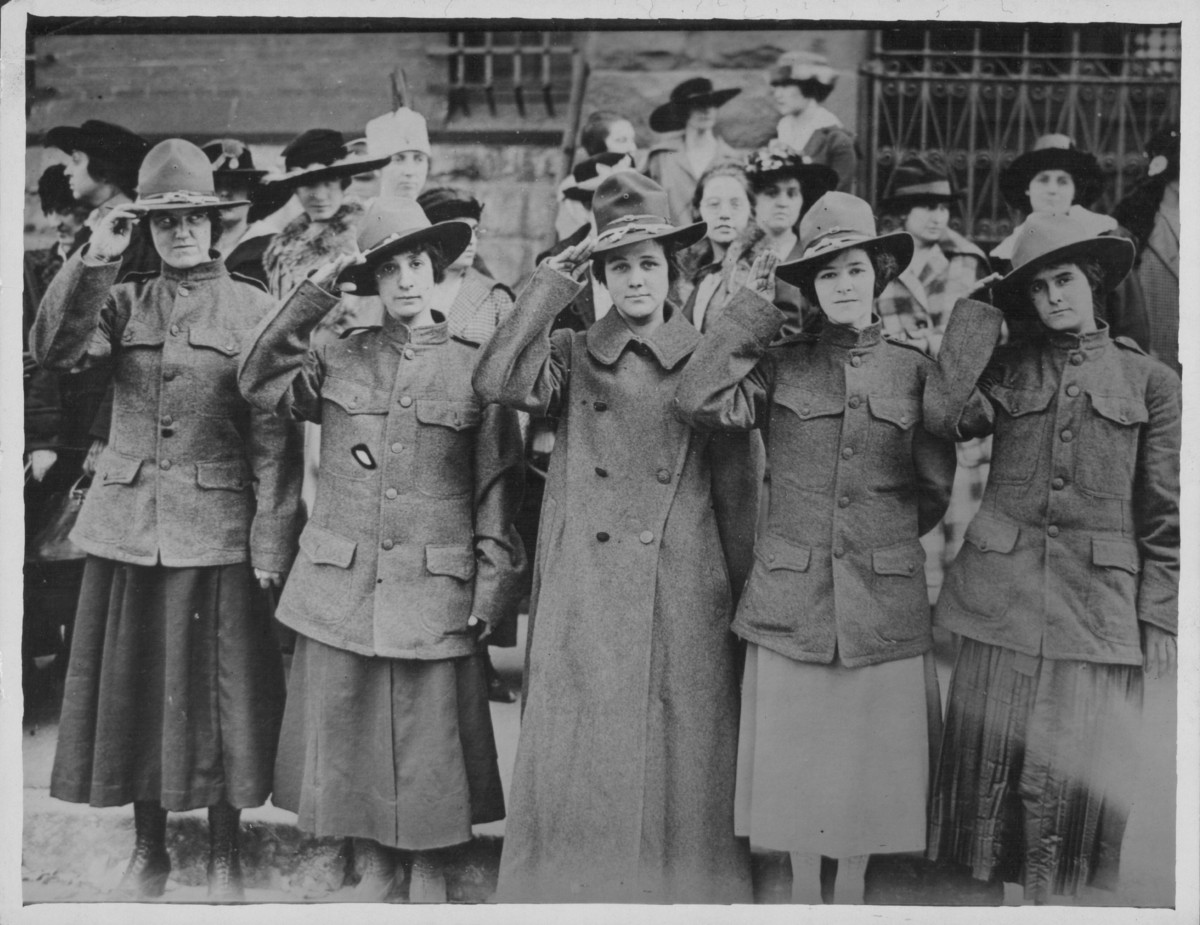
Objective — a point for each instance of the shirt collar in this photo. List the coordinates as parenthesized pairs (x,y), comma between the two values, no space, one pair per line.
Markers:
(210,269)
(846,335)
(671,342)
(425,335)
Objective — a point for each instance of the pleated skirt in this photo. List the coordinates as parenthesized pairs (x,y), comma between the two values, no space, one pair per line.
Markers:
(1037,769)
(400,751)
(174,689)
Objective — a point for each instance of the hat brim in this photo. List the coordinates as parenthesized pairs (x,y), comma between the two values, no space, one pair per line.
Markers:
(1083,168)
(347,168)
(898,243)
(239,173)
(1114,254)
(68,138)
(452,236)
(672,117)
(904,201)
(155,205)
(679,237)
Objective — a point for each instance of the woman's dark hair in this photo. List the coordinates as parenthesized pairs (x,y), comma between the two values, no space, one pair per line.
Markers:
(594,137)
(103,170)
(812,88)
(1092,271)
(432,250)
(723,169)
(887,268)
(669,251)
(54,192)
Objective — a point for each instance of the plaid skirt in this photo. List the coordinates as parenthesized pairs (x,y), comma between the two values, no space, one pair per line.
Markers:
(1037,769)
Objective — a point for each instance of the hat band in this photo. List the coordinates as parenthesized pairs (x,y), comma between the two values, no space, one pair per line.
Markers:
(935,188)
(392,238)
(620,228)
(180,197)
(833,240)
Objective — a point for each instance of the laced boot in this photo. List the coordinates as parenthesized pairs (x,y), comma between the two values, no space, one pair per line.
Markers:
(428,882)
(224,854)
(146,875)
(376,866)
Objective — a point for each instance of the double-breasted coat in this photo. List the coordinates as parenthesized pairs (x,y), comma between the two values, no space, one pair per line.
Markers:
(624,782)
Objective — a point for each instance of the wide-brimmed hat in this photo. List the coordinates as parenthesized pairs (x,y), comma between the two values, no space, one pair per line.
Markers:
(232,158)
(444,204)
(588,174)
(393,227)
(777,160)
(393,132)
(1049,240)
(1051,152)
(920,179)
(696,93)
(115,142)
(178,175)
(801,67)
(320,154)
(630,207)
(839,222)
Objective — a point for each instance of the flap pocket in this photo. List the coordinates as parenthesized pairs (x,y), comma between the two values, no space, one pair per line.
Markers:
(355,397)
(325,547)
(777,553)
(808,404)
(1120,409)
(138,334)
(119,470)
(904,559)
(1018,402)
(227,474)
(226,342)
(1122,554)
(455,561)
(903,412)
(457,415)
(989,535)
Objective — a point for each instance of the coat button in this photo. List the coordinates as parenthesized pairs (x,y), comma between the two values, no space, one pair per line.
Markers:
(904,419)
(854,401)
(387,544)
(770,557)
(391,494)
(1072,390)
(1057,484)
(183,290)
(164,464)
(664,476)
(408,353)
(128,336)
(602,472)
(168,431)
(231,346)
(646,537)
(1067,436)
(166,420)
(844,501)
(1076,359)
(405,401)
(983,545)
(353,401)
(838,552)
(600,405)
(397,447)
(169,375)
(847,452)
(602,536)
(1052,530)
(174,330)
(856,361)
(805,411)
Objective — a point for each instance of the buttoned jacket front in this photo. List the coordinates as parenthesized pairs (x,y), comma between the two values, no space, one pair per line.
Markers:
(191,475)
(1078,536)
(412,530)
(856,474)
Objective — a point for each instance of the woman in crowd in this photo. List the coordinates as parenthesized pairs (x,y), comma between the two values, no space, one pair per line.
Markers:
(401,139)
(243,239)
(175,687)
(675,164)
(604,133)
(835,611)
(800,83)
(724,201)
(407,564)
(623,788)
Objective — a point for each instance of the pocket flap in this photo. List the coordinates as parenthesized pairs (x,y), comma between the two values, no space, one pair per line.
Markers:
(229,474)
(355,397)
(1018,402)
(777,553)
(808,404)
(457,415)
(989,535)
(455,561)
(137,334)
(119,470)
(325,547)
(1113,553)
(903,412)
(226,342)
(905,559)
(1120,409)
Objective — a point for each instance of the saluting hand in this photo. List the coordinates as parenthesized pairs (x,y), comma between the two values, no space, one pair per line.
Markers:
(981,291)
(326,275)
(569,261)
(112,235)
(761,279)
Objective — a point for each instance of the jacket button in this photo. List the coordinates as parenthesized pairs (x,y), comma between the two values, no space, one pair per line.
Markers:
(391,494)
(1057,484)
(805,411)
(854,401)
(183,290)
(353,401)
(1076,359)
(397,447)
(602,472)
(408,353)
(664,476)
(405,401)
(168,431)
(646,537)
(904,419)
(231,346)
(847,452)
(770,557)
(838,552)
(844,501)
(166,420)
(128,336)
(602,536)
(164,464)
(387,544)
(856,361)
(169,375)
(1067,436)
(983,546)
(1072,390)
(174,329)
(1052,530)
(600,405)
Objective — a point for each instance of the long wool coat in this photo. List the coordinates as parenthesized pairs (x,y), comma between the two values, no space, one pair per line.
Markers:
(623,788)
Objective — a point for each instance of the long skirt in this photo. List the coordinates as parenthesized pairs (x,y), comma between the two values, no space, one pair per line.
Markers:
(400,751)
(832,760)
(174,689)
(1037,770)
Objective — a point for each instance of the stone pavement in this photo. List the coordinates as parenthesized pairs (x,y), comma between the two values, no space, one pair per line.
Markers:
(74,853)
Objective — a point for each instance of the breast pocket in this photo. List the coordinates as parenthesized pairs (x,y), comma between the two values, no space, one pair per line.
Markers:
(1108,445)
(1020,429)
(893,423)
(806,427)
(446,447)
(353,427)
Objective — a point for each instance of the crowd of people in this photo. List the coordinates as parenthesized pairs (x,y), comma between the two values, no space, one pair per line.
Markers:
(742,441)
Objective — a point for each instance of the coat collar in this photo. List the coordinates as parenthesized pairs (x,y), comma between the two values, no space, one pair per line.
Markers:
(1092,340)
(211,269)
(670,343)
(400,333)
(845,335)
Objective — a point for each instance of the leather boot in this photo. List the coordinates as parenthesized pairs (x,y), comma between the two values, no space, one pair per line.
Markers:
(146,875)
(224,854)
(428,880)
(376,866)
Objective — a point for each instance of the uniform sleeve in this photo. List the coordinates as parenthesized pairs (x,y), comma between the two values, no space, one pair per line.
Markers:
(43,412)
(737,461)
(278,372)
(843,157)
(951,398)
(934,461)
(522,366)
(1156,500)
(78,317)
(275,450)
(724,385)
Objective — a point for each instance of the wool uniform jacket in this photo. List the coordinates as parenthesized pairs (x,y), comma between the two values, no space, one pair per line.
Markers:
(1077,539)
(857,472)
(191,476)
(412,530)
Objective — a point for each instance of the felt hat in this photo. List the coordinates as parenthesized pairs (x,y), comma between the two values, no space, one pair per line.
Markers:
(919,180)
(588,174)
(630,207)
(1051,152)
(777,160)
(443,204)
(802,66)
(393,132)
(396,226)
(320,154)
(115,142)
(232,158)
(838,222)
(1049,240)
(178,175)
(696,93)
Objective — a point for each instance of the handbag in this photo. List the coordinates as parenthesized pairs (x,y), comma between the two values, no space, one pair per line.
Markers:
(52,542)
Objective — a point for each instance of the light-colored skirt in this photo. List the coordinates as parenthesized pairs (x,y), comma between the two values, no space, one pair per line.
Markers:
(832,760)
